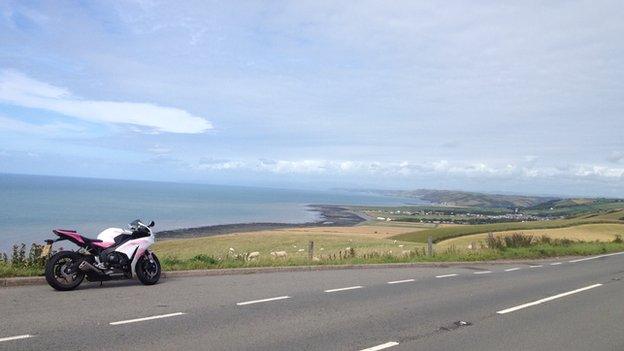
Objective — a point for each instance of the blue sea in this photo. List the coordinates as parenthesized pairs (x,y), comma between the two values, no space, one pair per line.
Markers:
(31,206)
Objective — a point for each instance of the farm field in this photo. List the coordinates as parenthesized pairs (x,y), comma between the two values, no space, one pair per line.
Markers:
(586,232)
(327,241)
(442,233)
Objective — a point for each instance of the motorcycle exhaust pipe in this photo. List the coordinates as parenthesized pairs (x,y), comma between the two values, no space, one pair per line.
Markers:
(86,266)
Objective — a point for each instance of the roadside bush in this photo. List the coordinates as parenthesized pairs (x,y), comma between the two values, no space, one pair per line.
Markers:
(618,239)
(516,240)
(19,258)
(495,242)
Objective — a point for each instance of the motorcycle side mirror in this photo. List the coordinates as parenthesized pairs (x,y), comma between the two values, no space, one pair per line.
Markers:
(151,224)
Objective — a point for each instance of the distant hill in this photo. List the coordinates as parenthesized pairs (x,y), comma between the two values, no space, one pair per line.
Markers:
(473,199)
(467,199)
(483,200)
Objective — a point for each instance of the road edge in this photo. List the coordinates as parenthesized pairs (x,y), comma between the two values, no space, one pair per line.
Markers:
(39,280)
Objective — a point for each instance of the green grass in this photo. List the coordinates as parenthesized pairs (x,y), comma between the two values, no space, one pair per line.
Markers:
(450,255)
(8,270)
(439,234)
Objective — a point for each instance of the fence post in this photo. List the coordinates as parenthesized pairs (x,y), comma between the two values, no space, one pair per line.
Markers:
(310,250)
(430,246)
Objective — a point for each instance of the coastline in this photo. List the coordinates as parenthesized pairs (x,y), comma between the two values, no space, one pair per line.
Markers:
(330,216)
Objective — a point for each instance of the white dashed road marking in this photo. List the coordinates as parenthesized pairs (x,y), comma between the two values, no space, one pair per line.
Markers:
(147,318)
(401,281)
(344,289)
(447,275)
(382,346)
(536,266)
(262,300)
(512,269)
(482,272)
(18,337)
(595,257)
(555,263)
(534,303)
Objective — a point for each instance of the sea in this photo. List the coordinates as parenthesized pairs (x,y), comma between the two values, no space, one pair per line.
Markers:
(31,206)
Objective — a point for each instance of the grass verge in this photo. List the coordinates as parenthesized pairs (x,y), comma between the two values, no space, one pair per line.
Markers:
(536,251)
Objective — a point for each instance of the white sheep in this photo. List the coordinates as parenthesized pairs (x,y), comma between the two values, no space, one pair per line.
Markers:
(278,254)
(401,245)
(322,249)
(253,255)
(300,250)
(231,249)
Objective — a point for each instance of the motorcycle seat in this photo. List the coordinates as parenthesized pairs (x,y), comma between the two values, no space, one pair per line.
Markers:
(75,235)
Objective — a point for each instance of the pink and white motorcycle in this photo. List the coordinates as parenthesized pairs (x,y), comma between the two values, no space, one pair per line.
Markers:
(115,254)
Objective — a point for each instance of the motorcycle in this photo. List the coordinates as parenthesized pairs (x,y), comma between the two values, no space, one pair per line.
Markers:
(115,254)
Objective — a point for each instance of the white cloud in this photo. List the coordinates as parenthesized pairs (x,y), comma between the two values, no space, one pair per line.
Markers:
(19,89)
(406,169)
(219,165)
(616,156)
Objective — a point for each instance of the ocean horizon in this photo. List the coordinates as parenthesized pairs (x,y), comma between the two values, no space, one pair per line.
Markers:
(32,205)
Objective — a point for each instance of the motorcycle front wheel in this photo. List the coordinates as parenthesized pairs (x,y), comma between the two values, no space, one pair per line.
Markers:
(62,271)
(148,270)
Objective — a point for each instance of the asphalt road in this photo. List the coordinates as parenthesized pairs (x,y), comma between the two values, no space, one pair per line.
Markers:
(553,305)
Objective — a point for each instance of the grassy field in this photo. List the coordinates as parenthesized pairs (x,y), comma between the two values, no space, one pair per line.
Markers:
(327,241)
(586,232)
(439,234)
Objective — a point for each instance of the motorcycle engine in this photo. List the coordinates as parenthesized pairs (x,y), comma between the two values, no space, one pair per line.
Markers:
(114,259)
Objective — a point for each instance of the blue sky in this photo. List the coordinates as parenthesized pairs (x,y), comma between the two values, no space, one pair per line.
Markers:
(523,97)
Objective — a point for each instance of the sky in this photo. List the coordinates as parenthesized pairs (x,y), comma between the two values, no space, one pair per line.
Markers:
(497,96)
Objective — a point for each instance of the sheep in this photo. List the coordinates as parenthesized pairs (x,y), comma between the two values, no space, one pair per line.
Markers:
(321,249)
(401,245)
(394,242)
(278,254)
(231,249)
(315,259)
(300,250)
(253,255)
(406,252)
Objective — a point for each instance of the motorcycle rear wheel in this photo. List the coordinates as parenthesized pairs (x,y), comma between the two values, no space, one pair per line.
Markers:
(62,272)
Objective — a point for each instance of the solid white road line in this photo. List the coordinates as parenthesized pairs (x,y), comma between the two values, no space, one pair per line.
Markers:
(262,300)
(401,281)
(343,289)
(519,307)
(148,318)
(18,337)
(595,257)
(512,269)
(382,346)
(536,266)
(555,263)
(482,272)
(447,275)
